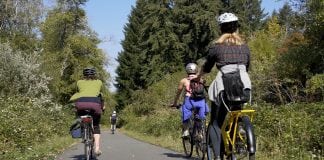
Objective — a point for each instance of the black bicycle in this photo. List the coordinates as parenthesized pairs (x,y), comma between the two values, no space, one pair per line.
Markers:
(197,136)
(87,135)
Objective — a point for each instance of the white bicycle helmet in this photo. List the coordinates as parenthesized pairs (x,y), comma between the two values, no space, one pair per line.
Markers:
(226,17)
(191,68)
(114,112)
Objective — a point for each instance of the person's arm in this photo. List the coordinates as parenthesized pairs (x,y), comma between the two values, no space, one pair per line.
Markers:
(178,92)
(209,63)
(75,96)
(249,60)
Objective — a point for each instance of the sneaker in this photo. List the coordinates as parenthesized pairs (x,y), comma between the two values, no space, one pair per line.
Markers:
(185,133)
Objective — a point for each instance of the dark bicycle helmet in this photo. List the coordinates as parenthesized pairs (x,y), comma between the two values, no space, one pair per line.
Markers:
(89,71)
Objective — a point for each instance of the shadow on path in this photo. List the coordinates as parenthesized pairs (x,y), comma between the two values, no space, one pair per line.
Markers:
(80,157)
(177,156)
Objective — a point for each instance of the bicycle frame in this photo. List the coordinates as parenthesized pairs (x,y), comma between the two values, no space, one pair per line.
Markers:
(228,134)
(87,123)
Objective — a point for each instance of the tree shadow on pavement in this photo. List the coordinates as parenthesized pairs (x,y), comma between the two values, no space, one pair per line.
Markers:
(80,157)
(177,155)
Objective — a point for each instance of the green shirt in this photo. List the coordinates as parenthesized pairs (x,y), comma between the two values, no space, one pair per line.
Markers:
(87,88)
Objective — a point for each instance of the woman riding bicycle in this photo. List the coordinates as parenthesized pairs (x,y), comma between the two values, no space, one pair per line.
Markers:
(230,54)
(89,98)
(190,102)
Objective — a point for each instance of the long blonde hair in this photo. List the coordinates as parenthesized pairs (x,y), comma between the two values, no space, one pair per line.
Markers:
(229,39)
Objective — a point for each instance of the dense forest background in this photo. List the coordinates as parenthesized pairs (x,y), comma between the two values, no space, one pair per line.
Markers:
(43,51)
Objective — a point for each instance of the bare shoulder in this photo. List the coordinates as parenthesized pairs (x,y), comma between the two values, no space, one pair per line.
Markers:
(184,80)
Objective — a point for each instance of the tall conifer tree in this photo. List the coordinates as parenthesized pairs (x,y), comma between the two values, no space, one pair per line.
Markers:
(196,26)
(131,57)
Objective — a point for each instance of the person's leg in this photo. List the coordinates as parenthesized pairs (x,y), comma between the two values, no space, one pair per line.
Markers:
(96,135)
(97,143)
(203,108)
(215,131)
(186,113)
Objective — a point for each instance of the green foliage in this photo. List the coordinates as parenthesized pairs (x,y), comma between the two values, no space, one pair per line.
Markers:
(195,25)
(19,22)
(20,74)
(315,85)
(26,122)
(264,46)
(160,38)
(290,131)
(29,116)
(69,49)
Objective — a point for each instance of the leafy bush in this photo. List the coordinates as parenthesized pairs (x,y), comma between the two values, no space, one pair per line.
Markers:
(28,115)
(315,86)
(291,131)
(26,122)
(20,74)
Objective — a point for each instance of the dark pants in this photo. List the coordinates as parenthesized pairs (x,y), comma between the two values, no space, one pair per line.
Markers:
(96,120)
(93,104)
(218,114)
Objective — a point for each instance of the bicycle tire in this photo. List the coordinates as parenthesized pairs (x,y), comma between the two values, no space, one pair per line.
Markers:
(200,140)
(187,142)
(245,143)
(88,143)
(210,149)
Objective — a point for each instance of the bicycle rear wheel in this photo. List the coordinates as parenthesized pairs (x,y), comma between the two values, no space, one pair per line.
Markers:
(88,143)
(200,140)
(245,140)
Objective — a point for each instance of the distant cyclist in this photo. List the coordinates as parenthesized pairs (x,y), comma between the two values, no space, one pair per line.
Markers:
(230,54)
(89,98)
(113,121)
(189,101)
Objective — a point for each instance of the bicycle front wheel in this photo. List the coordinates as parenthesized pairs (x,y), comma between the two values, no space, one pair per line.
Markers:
(200,141)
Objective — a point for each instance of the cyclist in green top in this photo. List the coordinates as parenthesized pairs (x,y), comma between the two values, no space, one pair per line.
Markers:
(89,98)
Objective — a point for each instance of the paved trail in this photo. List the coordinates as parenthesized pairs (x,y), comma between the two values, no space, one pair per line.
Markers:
(120,147)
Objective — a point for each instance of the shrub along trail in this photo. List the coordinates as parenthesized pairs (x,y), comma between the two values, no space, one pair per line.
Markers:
(120,147)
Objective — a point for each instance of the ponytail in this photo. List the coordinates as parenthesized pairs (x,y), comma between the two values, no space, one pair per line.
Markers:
(229,39)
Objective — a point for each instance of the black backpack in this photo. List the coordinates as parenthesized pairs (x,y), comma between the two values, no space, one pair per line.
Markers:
(234,88)
(197,89)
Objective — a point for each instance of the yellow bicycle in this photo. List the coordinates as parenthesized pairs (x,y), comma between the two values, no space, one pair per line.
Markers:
(238,140)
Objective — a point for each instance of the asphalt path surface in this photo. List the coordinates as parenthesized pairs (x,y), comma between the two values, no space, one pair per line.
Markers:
(121,147)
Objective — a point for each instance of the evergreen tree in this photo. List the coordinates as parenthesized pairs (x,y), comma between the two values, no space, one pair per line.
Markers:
(160,38)
(131,58)
(286,17)
(196,26)
(159,42)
